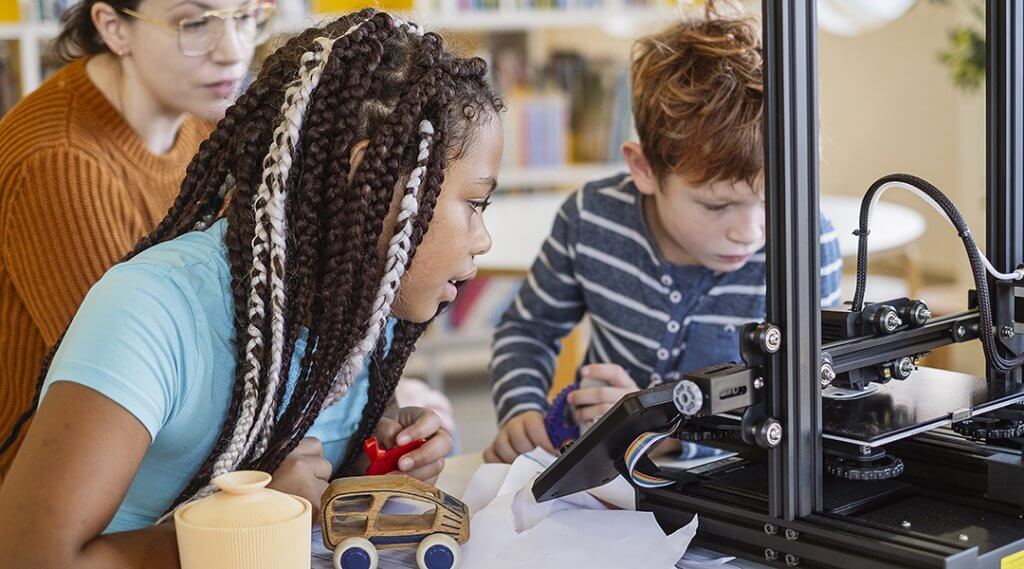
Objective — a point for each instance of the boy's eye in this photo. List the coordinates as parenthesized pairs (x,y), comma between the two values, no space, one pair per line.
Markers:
(715,207)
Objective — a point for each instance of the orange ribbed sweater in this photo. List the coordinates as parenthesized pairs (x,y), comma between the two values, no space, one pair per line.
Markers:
(78,188)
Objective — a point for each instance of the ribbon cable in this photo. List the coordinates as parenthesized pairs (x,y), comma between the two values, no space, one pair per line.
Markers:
(639,448)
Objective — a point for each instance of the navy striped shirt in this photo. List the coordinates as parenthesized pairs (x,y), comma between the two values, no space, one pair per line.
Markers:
(656,320)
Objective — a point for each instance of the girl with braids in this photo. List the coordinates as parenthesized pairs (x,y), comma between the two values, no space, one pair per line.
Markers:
(265,321)
(92,160)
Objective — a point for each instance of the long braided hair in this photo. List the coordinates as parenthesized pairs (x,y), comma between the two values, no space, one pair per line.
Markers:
(303,234)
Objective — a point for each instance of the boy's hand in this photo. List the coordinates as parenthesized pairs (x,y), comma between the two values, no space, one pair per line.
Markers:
(304,472)
(411,423)
(519,435)
(590,403)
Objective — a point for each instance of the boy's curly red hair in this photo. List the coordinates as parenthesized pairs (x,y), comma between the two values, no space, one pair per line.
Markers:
(698,99)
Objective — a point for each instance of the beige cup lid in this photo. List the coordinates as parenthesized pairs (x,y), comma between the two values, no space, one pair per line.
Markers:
(244,501)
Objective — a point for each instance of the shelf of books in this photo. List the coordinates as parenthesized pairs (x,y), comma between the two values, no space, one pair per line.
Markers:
(568,110)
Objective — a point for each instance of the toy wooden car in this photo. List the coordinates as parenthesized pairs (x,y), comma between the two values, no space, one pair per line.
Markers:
(365,513)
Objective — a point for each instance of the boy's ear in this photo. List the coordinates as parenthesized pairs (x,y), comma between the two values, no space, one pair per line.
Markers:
(643,175)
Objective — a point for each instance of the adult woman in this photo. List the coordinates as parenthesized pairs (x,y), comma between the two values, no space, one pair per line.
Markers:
(92,160)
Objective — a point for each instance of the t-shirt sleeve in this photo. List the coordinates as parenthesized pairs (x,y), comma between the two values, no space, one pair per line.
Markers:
(134,341)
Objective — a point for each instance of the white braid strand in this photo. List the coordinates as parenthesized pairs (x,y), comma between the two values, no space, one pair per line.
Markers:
(395,265)
(269,243)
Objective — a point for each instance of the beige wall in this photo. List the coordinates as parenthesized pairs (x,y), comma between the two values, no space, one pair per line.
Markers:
(888,105)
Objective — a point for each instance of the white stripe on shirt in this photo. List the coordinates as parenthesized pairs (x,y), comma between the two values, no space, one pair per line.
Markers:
(619,229)
(522,340)
(518,372)
(756,290)
(628,268)
(520,391)
(616,194)
(642,340)
(622,350)
(547,298)
(623,300)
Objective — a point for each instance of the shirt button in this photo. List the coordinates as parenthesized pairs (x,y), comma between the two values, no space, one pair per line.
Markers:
(675,297)
(666,280)
(662,354)
(673,326)
(655,378)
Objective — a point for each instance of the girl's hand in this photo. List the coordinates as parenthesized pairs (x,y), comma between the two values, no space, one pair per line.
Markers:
(304,472)
(411,423)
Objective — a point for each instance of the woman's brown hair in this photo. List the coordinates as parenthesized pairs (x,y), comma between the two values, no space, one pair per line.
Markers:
(78,35)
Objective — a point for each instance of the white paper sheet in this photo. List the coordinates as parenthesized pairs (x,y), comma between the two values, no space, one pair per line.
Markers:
(579,531)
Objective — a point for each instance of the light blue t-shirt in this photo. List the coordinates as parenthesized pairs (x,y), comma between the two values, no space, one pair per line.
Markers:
(156,336)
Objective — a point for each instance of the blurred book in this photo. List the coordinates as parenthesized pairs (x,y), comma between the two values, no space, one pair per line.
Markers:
(336,6)
(50,10)
(8,79)
(10,11)
(569,109)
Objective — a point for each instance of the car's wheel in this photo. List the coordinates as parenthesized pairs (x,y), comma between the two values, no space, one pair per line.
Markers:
(355,553)
(438,551)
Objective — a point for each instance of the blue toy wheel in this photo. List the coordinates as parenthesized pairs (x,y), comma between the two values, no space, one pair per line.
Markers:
(355,553)
(439,557)
(438,551)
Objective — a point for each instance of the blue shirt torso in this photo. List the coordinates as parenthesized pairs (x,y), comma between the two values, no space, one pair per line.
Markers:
(156,336)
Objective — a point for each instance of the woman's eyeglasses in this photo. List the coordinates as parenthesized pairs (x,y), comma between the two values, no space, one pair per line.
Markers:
(200,35)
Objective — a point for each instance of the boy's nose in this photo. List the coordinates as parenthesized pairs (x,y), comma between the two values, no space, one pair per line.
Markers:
(748,232)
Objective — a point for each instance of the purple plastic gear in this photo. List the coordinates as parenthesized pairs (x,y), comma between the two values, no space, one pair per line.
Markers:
(556,422)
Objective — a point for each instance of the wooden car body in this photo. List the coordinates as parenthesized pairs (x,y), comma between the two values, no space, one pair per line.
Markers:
(359,507)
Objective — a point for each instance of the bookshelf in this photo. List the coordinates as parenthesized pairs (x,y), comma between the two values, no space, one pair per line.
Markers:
(615,19)
(29,38)
(567,176)
(535,22)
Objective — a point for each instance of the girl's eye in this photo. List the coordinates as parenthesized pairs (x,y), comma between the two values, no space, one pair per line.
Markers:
(711,207)
(480,206)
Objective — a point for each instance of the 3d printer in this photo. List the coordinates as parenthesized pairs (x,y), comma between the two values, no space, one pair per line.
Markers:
(848,453)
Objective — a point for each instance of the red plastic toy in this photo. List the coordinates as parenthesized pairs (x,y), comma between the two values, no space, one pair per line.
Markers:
(383,461)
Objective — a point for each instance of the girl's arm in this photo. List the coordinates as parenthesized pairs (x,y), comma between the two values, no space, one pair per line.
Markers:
(71,474)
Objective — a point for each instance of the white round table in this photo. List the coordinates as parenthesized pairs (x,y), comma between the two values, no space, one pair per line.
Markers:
(519,224)
(892,225)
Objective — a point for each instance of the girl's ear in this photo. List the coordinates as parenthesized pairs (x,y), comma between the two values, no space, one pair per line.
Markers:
(355,157)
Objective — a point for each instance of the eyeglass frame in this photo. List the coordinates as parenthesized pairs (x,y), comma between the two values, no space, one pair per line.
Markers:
(223,15)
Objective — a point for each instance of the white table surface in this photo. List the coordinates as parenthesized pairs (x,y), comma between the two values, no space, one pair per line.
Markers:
(519,223)
(459,470)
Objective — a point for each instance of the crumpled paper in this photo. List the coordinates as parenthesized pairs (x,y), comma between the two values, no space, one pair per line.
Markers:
(510,530)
